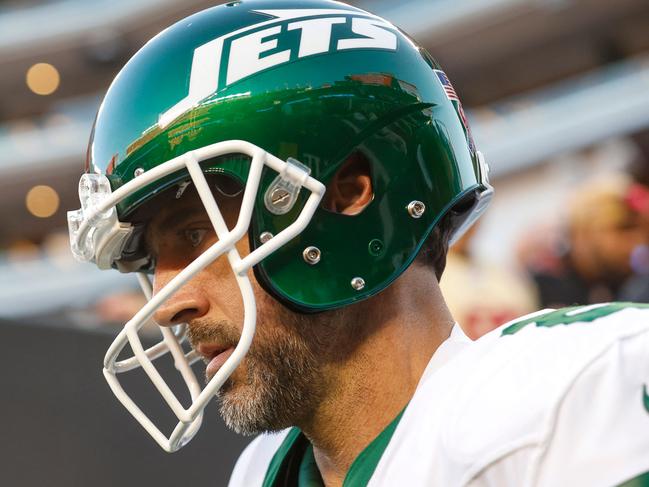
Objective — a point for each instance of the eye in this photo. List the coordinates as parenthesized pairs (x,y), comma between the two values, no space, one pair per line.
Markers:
(195,236)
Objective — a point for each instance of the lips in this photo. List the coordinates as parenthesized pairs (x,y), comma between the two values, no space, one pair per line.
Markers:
(215,356)
(217,362)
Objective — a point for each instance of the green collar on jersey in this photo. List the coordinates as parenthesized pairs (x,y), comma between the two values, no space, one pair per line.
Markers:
(294,463)
(640,481)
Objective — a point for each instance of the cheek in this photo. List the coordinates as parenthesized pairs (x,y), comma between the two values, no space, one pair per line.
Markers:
(269,318)
(243,246)
(276,324)
(623,242)
(220,287)
(639,237)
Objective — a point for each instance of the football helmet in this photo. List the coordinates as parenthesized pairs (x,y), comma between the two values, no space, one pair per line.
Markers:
(275,95)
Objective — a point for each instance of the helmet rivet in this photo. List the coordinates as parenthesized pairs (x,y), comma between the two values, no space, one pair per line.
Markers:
(138,172)
(375,247)
(358,283)
(416,209)
(311,255)
(265,237)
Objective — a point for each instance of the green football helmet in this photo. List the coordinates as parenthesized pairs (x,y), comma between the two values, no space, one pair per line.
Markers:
(275,95)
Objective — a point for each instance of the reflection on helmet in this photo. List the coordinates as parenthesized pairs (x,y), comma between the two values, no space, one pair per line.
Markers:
(310,84)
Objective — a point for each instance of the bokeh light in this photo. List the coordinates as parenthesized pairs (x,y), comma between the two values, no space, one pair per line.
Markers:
(43,79)
(42,201)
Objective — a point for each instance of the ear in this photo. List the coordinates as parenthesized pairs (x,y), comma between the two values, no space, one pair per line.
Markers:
(350,190)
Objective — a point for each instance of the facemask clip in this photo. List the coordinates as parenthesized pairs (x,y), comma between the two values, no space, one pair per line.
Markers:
(282,194)
(105,237)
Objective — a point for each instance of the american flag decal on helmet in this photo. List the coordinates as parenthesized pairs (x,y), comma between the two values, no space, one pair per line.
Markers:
(446,84)
(452,96)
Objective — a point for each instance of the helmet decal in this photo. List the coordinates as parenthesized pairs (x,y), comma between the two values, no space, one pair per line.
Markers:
(248,48)
(452,96)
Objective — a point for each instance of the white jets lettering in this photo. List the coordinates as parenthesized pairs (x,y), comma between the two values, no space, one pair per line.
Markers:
(204,79)
(316,34)
(375,36)
(248,50)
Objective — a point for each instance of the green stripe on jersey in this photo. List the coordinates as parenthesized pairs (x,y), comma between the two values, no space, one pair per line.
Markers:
(363,467)
(283,462)
(641,481)
(575,314)
(293,465)
(309,475)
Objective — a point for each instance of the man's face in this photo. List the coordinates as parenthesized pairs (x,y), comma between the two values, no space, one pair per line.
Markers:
(288,368)
(608,240)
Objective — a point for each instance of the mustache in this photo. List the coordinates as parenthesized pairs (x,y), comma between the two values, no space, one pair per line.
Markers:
(222,332)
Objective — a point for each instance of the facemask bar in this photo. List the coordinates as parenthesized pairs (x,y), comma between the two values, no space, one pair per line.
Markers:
(160,348)
(91,228)
(178,330)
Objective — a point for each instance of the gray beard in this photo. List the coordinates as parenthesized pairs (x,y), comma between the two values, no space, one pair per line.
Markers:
(282,387)
(285,367)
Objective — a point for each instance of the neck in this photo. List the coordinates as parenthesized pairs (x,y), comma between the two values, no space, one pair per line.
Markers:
(370,386)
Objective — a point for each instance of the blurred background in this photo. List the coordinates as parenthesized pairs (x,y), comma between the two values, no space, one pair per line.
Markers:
(557,94)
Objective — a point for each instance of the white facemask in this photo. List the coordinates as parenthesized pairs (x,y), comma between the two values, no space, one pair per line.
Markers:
(96,235)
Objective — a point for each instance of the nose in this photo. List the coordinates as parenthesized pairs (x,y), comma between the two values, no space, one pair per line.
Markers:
(187,304)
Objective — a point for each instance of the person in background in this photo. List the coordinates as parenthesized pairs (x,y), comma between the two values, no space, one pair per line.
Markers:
(636,287)
(604,241)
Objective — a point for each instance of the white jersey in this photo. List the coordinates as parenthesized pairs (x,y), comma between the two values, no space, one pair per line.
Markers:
(557,398)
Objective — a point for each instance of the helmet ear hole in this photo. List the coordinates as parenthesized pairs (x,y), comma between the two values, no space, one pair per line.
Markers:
(351,189)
